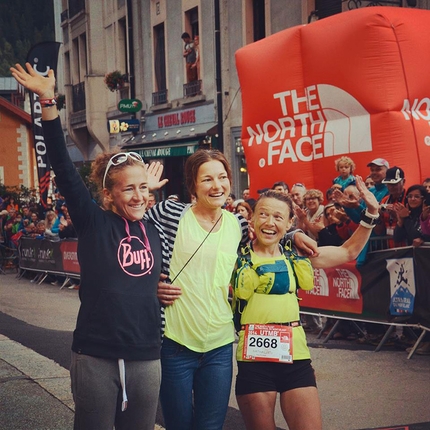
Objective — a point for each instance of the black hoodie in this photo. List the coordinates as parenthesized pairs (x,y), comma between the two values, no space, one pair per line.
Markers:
(119,316)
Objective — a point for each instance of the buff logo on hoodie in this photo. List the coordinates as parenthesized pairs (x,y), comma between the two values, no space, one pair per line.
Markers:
(134,258)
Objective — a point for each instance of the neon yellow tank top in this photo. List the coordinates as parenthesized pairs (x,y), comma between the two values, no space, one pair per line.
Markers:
(201,319)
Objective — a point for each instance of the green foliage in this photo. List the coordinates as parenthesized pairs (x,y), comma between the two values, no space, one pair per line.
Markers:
(13,191)
(23,23)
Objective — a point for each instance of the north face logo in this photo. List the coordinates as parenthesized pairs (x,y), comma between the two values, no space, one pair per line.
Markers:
(321,284)
(346,284)
(323,122)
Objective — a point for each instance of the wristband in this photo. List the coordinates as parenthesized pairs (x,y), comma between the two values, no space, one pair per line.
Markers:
(368,220)
(367,213)
(48,102)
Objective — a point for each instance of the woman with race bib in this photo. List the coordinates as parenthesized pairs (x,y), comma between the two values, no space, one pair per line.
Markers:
(272,353)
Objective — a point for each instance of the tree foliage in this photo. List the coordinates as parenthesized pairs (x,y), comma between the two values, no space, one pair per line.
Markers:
(23,23)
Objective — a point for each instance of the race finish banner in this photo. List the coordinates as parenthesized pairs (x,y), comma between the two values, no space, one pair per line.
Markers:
(42,57)
(43,255)
(392,283)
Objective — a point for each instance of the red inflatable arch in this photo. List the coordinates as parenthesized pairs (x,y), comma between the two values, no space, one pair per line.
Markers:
(356,84)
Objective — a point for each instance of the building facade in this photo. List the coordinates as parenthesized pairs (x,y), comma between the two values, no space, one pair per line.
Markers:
(17,158)
(180,108)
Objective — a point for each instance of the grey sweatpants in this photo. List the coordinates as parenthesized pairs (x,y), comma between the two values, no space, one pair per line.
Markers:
(97,393)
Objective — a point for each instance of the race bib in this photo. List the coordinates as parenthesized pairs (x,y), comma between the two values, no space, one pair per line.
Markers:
(268,342)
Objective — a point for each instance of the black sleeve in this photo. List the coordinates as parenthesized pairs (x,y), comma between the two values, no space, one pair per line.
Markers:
(67,177)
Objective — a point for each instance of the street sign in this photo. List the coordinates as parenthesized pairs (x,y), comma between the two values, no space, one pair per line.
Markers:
(129,105)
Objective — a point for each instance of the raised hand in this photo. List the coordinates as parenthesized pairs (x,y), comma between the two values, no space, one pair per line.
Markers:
(368,197)
(155,170)
(43,86)
(349,202)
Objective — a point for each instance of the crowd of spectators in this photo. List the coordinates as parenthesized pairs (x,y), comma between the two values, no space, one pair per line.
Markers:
(34,220)
(331,216)
(31,219)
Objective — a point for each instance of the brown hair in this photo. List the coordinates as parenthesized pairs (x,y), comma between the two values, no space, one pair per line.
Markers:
(247,206)
(272,194)
(193,163)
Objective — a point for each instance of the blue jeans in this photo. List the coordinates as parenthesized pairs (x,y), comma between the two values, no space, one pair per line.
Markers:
(208,374)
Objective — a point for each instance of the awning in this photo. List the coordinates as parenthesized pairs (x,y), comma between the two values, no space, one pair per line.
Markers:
(170,148)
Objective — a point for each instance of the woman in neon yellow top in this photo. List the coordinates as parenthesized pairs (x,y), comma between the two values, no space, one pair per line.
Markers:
(197,347)
(272,352)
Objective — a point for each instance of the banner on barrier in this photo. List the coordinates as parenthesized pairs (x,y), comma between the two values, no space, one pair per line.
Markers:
(393,282)
(47,256)
(336,289)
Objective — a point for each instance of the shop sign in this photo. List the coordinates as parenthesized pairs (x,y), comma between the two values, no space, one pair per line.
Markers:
(169,151)
(123,125)
(129,105)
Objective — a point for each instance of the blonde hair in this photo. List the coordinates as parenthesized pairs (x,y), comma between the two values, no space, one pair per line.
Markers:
(49,223)
(345,160)
(314,193)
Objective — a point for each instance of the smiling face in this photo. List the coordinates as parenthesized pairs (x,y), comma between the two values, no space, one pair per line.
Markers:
(377,173)
(312,204)
(129,194)
(212,185)
(415,199)
(271,220)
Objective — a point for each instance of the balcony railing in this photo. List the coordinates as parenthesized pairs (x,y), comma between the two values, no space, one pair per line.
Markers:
(76,6)
(159,98)
(192,88)
(78,97)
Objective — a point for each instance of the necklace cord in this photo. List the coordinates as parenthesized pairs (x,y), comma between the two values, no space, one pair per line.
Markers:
(194,253)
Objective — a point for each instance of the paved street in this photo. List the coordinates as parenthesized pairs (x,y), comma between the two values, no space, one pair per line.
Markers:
(359,388)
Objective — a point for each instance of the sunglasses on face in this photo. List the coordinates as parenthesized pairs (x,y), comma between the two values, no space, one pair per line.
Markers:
(118,159)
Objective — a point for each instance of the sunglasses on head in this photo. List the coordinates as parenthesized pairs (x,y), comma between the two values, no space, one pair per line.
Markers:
(118,159)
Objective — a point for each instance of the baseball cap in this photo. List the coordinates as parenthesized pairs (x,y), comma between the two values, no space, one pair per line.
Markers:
(380,162)
(263,190)
(394,175)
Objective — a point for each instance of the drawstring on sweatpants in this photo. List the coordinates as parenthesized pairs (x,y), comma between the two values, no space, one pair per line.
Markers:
(121,366)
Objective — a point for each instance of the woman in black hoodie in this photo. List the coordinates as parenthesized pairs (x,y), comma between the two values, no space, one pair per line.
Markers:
(116,343)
